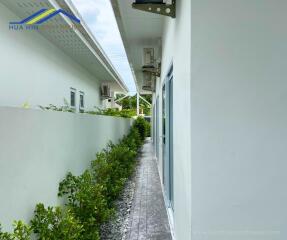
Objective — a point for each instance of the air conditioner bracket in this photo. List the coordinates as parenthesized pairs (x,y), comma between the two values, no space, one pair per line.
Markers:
(162,9)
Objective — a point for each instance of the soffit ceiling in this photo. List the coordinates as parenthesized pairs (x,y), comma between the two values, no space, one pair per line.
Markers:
(78,44)
(138,30)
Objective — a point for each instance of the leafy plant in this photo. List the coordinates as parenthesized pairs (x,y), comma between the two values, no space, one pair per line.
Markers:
(86,199)
(55,223)
(111,168)
(130,103)
(21,232)
(65,108)
(126,113)
(133,140)
(148,129)
(143,127)
(26,105)
(91,195)
(89,198)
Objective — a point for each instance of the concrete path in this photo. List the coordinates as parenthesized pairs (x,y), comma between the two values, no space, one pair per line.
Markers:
(148,219)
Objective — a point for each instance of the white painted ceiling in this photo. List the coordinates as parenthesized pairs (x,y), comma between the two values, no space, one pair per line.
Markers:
(139,30)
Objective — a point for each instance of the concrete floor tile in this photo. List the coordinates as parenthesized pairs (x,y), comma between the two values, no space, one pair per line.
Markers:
(148,217)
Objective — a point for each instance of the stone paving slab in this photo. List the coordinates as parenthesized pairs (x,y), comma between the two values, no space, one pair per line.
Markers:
(148,219)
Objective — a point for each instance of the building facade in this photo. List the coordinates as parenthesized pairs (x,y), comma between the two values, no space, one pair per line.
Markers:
(57,61)
(219,125)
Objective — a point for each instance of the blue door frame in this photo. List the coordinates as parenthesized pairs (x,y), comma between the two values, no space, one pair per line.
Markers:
(167,118)
(157,128)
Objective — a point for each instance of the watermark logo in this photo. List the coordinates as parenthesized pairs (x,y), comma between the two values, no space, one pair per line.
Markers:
(37,19)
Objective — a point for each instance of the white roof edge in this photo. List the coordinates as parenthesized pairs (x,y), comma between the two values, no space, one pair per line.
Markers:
(115,6)
(96,49)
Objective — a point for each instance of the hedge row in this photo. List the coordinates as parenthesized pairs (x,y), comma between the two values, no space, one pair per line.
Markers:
(125,113)
(89,198)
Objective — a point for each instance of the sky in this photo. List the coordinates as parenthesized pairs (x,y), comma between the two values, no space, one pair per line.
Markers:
(99,16)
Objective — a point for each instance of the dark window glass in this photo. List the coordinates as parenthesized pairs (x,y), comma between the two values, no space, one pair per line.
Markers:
(82,101)
(73,99)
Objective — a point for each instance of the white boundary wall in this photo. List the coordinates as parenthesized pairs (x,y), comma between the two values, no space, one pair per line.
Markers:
(38,148)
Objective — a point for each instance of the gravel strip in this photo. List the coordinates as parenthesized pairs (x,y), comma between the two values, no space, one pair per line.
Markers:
(117,228)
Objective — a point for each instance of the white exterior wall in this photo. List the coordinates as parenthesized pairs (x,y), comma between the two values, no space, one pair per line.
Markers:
(239,116)
(176,49)
(230,115)
(38,148)
(35,71)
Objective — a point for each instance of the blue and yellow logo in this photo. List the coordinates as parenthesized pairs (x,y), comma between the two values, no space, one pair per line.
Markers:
(44,15)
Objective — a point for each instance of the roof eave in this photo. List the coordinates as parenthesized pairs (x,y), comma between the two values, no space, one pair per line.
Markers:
(115,6)
(89,40)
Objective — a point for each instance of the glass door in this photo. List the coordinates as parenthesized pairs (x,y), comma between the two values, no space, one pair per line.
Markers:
(167,137)
(164,152)
(157,128)
(171,191)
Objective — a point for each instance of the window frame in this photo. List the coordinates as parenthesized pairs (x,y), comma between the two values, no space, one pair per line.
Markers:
(81,100)
(74,91)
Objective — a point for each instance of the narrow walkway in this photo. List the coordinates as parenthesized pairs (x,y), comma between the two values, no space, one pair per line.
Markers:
(148,219)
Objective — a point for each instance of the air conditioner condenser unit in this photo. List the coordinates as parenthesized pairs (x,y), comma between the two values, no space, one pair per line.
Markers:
(148,81)
(106,91)
(148,57)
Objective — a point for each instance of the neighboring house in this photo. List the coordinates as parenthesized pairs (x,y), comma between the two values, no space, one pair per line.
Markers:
(110,103)
(61,60)
(220,115)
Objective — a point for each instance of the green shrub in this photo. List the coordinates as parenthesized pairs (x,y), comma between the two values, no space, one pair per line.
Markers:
(87,201)
(89,198)
(55,223)
(148,128)
(128,113)
(133,140)
(125,113)
(112,168)
(5,235)
(143,127)
(65,108)
(21,232)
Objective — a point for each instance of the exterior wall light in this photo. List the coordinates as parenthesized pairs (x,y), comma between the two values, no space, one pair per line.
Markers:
(156,6)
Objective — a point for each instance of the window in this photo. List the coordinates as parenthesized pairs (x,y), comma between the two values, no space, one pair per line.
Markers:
(82,101)
(73,98)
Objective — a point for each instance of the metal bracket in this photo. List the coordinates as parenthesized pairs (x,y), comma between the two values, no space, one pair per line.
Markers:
(153,71)
(162,9)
